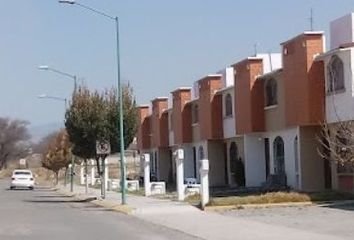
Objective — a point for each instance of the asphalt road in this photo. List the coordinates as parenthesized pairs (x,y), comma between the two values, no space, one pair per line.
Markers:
(42,214)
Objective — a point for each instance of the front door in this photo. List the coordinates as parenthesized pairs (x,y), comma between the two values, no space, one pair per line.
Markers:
(233,155)
(267,156)
(279,163)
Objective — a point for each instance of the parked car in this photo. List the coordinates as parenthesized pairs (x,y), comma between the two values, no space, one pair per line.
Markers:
(22,178)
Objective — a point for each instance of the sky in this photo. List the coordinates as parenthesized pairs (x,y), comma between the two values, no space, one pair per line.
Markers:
(164,44)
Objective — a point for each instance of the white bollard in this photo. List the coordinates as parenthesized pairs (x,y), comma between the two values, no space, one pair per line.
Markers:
(147,185)
(93,175)
(204,182)
(179,157)
(82,175)
(106,174)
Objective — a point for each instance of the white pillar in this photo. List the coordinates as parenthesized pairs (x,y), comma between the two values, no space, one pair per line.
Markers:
(147,185)
(82,175)
(93,179)
(179,157)
(86,177)
(204,181)
(106,174)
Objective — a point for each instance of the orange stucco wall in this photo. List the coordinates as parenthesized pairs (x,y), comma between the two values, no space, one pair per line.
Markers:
(210,125)
(158,127)
(303,80)
(249,96)
(143,135)
(180,98)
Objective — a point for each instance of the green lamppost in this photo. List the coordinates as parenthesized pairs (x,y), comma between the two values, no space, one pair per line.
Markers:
(120,94)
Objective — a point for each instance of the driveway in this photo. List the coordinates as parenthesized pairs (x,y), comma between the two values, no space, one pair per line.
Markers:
(336,220)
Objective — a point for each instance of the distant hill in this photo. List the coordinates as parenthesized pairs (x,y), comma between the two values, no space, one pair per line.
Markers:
(39,131)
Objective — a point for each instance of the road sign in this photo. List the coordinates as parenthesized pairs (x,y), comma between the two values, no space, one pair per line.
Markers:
(103,147)
(23,161)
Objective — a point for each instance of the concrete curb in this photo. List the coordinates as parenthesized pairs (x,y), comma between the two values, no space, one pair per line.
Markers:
(248,206)
(125,209)
(78,197)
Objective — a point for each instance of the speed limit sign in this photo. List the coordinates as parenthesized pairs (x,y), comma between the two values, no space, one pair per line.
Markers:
(103,147)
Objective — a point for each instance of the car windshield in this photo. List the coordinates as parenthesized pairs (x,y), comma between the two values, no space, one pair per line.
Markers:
(22,173)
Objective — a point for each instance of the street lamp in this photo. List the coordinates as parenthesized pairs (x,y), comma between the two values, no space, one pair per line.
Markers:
(74,77)
(54,98)
(120,95)
(47,68)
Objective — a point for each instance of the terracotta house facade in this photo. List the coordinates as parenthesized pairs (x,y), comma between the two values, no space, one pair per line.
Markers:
(258,120)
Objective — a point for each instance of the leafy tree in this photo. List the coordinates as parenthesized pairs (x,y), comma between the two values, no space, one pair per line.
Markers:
(57,154)
(93,116)
(14,138)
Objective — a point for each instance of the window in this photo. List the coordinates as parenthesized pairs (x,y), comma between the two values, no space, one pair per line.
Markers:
(271,92)
(335,74)
(195,112)
(228,105)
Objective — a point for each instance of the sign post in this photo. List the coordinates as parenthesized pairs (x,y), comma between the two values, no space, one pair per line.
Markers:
(103,148)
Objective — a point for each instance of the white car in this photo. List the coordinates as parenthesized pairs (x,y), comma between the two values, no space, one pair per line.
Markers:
(22,178)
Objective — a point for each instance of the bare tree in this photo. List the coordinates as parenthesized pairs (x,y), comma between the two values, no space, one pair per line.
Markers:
(14,138)
(337,144)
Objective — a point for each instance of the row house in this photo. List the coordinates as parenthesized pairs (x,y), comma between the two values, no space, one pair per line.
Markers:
(338,68)
(259,120)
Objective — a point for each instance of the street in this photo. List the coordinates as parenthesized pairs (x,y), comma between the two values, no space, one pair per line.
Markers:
(42,214)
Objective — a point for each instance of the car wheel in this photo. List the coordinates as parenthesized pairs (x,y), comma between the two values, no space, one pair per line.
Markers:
(12,188)
(30,188)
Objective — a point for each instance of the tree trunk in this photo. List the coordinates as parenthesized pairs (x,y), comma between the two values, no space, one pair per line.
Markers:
(56,178)
(65,176)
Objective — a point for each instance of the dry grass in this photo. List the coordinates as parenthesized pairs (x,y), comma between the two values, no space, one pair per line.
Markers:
(5,173)
(282,197)
(194,198)
(272,197)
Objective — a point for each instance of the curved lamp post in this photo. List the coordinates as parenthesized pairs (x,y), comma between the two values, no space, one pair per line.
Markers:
(54,98)
(120,95)
(47,68)
(74,77)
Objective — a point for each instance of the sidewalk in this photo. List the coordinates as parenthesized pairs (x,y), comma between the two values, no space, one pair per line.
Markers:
(205,225)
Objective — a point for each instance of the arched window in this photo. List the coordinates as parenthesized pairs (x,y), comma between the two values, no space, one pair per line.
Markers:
(335,74)
(228,105)
(201,153)
(271,92)
(278,147)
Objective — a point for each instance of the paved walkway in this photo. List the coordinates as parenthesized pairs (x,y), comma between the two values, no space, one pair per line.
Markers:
(205,225)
